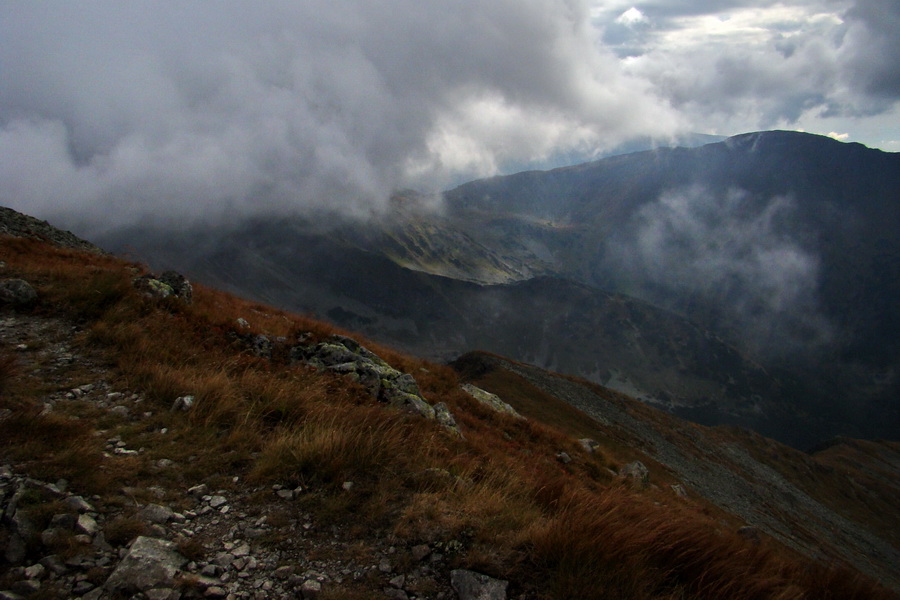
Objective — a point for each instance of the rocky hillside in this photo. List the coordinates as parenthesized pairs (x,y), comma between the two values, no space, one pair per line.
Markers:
(165,440)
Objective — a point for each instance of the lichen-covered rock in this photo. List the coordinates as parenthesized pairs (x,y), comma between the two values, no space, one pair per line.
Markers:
(150,563)
(490,400)
(346,356)
(152,287)
(17,292)
(443,416)
(169,284)
(181,287)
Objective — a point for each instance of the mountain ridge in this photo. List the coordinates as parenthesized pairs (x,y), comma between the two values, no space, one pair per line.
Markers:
(803,288)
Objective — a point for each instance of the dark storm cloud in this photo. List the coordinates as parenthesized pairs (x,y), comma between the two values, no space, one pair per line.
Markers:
(870,52)
(123,109)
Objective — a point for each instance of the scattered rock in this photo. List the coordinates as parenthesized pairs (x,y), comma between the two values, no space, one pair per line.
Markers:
(564,458)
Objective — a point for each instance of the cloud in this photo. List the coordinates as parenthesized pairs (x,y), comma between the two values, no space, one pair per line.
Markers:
(739,66)
(149,109)
(729,250)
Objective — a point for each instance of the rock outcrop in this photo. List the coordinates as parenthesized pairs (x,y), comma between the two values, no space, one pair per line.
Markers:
(490,400)
(344,355)
(169,284)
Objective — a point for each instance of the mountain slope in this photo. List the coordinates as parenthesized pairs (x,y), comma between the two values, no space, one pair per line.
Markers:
(742,473)
(281,454)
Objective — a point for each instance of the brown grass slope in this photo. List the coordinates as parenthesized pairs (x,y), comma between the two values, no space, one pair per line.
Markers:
(510,508)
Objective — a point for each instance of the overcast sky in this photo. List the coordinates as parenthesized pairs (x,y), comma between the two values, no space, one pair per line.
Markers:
(129,110)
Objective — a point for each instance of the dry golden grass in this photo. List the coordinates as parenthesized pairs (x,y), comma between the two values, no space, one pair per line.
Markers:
(497,500)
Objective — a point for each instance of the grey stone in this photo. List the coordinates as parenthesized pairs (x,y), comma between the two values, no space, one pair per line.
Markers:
(564,458)
(284,572)
(150,563)
(183,403)
(78,504)
(36,571)
(636,471)
(679,490)
(119,411)
(162,594)
(490,400)
(152,287)
(310,589)
(17,292)
(198,490)
(87,525)
(94,594)
(16,549)
(53,564)
(589,445)
(27,587)
(156,513)
(82,587)
(470,585)
(10,595)
(444,417)
(421,552)
(215,591)
(217,501)
(64,521)
(395,594)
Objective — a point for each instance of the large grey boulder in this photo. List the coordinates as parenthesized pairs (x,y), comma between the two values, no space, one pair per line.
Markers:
(17,292)
(150,563)
(470,585)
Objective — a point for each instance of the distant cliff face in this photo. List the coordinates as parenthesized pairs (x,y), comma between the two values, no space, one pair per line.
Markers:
(751,281)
